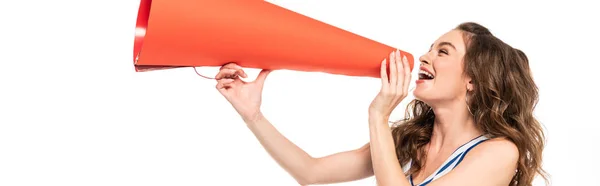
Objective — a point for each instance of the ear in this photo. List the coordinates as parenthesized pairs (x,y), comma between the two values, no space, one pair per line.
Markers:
(469,84)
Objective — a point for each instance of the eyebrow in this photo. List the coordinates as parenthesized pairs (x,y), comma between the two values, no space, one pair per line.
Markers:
(442,44)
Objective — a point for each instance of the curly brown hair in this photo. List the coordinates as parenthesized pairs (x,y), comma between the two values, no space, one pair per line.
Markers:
(502,104)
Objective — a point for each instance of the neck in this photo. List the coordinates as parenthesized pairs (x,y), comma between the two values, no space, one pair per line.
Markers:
(453,126)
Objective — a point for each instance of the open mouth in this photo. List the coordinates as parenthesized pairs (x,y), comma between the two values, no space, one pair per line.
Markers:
(424,75)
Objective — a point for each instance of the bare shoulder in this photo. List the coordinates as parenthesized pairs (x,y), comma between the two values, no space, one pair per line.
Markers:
(492,162)
(501,150)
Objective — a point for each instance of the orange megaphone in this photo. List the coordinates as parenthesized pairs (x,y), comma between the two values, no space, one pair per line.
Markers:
(253,34)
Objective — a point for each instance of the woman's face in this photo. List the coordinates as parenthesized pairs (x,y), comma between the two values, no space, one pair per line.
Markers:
(441,76)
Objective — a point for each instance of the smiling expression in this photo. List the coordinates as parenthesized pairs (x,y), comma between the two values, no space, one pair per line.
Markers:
(441,76)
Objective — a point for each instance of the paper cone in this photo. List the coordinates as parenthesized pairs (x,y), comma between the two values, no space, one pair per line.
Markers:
(254,34)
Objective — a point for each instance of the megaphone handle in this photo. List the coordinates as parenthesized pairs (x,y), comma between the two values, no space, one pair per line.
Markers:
(201,74)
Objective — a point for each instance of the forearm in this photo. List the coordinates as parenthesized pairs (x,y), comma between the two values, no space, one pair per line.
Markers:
(386,167)
(289,156)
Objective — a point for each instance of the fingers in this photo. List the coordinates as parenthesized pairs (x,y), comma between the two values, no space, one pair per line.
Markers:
(225,83)
(226,73)
(231,70)
(407,75)
(231,65)
(393,71)
(399,76)
(384,75)
(238,68)
(400,73)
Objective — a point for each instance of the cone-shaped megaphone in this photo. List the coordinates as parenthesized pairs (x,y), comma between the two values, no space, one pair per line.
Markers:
(254,34)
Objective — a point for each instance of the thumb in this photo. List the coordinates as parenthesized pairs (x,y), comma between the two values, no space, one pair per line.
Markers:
(262,76)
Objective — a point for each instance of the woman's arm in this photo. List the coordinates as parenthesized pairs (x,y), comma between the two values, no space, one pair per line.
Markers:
(394,89)
(386,167)
(245,97)
(339,167)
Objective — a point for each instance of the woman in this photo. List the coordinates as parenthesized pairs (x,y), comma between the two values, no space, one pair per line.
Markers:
(471,122)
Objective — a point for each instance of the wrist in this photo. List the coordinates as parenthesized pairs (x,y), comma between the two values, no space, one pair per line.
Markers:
(378,115)
(378,118)
(253,118)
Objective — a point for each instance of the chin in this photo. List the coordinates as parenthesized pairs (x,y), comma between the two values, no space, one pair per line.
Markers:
(420,94)
(425,94)
(422,88)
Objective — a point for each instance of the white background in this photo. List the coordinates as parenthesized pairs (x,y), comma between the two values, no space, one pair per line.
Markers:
(74,112)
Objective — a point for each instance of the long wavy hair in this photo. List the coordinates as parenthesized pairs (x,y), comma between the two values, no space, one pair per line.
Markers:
(502,103)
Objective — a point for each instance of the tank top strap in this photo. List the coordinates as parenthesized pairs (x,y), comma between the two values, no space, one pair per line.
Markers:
(455,158)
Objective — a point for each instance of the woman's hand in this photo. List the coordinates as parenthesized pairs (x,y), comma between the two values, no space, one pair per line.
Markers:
(394,88)
(245,97)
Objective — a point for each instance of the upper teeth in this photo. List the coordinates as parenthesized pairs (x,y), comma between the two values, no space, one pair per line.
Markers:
(425,73)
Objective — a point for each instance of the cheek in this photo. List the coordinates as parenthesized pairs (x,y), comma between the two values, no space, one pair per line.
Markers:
(449,79)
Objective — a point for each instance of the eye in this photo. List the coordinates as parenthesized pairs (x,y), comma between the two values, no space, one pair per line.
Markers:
(443,51)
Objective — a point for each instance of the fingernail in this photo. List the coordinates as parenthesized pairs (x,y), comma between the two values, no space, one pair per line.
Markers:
(405,59)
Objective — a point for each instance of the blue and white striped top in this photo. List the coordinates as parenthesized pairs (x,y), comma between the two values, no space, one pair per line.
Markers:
(452,161)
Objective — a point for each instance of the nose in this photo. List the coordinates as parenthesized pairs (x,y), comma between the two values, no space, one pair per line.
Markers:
(424,59)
